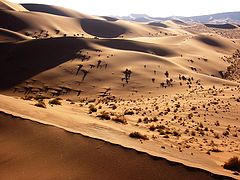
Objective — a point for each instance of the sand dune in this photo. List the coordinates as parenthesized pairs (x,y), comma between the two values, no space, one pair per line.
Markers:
(158,24)
(168,89)
(211,41)
(55,10)
(7,35)
(57,154)
(102,28)
(222,26)
(6,5)
(38,25)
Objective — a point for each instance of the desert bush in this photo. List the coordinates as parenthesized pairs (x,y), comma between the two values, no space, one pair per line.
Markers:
(161,132)
(120,119)
(92,108)
(41,97)
(138,135)
(175,133)
(40,104)
(215,150)
(114,106)
(232,164)
(152,128)
(55,102)
(128,112)
(104,115)
(27,98)
(166,136)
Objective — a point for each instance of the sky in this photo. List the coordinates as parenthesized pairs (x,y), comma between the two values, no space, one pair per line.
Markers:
(155,8)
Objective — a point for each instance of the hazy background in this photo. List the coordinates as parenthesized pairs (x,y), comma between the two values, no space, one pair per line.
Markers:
(155,8)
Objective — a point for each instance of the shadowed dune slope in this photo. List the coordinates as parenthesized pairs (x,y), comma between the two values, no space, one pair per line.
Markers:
(136,46)
(221,26)
(158,24)
(102,28)
(57,154)
(6,5)
(36,22)
(56,10)
(109,18)
(210,41)
(7,35)
(24,60)
(11,21)
(179,22)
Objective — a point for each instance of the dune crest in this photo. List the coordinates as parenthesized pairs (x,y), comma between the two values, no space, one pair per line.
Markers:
(164,87)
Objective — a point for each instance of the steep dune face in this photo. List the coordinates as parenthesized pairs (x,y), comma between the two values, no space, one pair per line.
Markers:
(35,23)
(102,28)
(55,10)
(138,47)
(11,21)
(158,79)
(158,24)
(7,35)
(221,26)
(27,59)
(6,5)
(211,41)
(57,154)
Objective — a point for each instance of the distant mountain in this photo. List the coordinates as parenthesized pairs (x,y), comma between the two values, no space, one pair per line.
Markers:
(219,18)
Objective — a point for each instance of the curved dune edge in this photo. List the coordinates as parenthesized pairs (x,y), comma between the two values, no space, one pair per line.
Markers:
(122,163)
(94,130)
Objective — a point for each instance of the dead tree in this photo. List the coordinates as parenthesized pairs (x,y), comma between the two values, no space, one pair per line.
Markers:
(92,66)
(85,72)
(167,74)
(99,63)
(127,73)
(79,68)
(79,92)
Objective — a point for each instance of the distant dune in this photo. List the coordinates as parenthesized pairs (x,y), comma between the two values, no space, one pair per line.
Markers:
(158,24)
(167,87)
(222,26)
(6,5)
(56,10)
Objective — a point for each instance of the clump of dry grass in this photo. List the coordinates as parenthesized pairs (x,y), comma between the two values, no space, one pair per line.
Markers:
(55,102)
(232,164)
(120,119)
(129,112)
(92,108)
(40,104)
(138,135)
(104,115)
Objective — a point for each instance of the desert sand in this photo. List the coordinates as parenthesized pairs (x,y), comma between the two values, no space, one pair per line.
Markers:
(169,90)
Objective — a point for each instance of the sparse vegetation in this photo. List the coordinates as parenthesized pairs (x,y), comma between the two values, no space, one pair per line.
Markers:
(40,104)
(120,119)
(138,135)
(55,102)
(92,108)
(104,115)
(232,164)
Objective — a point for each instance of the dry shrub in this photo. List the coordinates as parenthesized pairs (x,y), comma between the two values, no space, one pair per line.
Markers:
(104,115)
(232,164)
(40,104)
(120,119)
(55,102)
(138,135)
